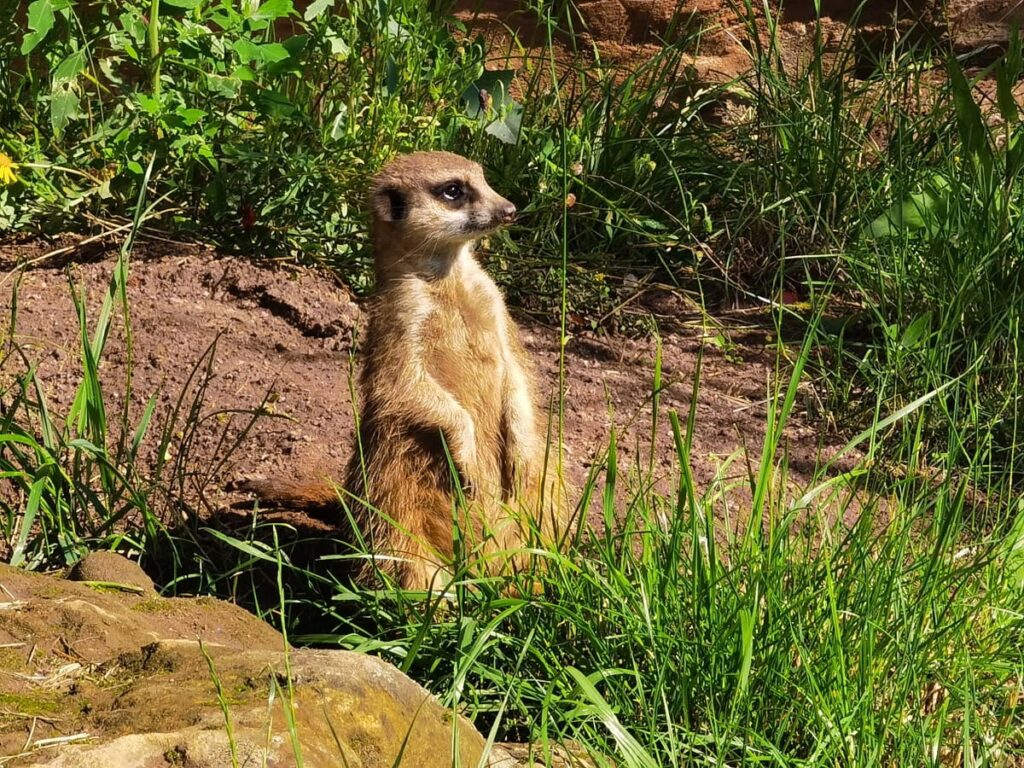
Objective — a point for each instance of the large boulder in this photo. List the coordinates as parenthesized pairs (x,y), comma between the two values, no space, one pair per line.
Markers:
(106,673)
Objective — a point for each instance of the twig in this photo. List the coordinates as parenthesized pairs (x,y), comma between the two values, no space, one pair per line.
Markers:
(114,585)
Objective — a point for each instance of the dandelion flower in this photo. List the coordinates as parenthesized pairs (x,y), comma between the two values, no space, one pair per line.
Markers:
(7,169)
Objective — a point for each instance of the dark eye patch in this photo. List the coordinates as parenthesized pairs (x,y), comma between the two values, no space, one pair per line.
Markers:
(453,192)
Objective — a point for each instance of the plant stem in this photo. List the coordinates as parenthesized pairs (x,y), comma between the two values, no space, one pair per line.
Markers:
(153,38)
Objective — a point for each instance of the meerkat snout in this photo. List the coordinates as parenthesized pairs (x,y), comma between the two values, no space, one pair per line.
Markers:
(436,200)
(499,213)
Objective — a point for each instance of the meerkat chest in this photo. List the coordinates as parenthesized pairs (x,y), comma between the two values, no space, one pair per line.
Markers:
(468,335)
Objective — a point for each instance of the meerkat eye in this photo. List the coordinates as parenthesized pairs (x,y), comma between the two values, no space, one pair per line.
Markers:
(451,191)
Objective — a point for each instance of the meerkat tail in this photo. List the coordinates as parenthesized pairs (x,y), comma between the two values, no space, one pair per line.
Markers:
(292,494)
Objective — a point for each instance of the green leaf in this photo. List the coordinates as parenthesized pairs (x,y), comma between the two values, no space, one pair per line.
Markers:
(916,331)
(340,124)
(64,107)
(273,9)
(246,49)
(1004,95)
(506,129)
(229,87)
(920,211)
(108,66)
(652,224)
(190,116)
(746,652)
(187,4)
(1013,546)
(338,45)
(316,8)
(274,103)
(132,25)
(1014,154)
(396,31)
(254,550)
(295,44)
(971,124)
(632,752)
(40,21)
(271,52)
(69,69)
(28,517)
(1008,72)
(391,75)
(266,53)
(496,83)
(149,104)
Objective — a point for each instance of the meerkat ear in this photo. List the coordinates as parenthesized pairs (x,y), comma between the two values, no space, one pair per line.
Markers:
(390,204)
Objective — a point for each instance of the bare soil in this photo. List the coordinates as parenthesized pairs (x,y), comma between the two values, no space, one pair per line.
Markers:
(217,337)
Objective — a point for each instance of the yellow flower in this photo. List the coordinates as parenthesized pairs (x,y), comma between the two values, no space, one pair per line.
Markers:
(7,169)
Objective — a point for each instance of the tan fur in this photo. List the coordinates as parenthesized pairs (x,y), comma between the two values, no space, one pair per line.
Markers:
(443,366)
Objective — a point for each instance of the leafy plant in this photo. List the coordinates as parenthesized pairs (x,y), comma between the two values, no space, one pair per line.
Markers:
(264,123)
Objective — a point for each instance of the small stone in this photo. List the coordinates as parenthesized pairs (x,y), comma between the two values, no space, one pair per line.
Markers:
(112,568)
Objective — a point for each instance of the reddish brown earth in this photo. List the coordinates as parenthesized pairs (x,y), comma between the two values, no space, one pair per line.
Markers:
(289,336)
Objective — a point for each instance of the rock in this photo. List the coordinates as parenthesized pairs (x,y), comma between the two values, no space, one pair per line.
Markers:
(344,708)
(623,31)
(605,19)
(98,679)
(973,24)
(111,569)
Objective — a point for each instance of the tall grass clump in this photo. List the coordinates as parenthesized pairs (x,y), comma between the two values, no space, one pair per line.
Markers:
(97,475)
(620,151)
(881,187)
(939,267)
(804,158)
(72,481)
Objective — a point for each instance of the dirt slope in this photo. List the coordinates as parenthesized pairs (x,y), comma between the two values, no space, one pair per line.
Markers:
(289,335)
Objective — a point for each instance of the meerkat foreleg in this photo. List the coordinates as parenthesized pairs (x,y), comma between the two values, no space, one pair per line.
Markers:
(406,390)
(521,439)
(436,406)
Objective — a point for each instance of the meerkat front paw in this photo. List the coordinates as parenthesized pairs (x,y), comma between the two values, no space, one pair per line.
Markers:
(522,456)
(462,446)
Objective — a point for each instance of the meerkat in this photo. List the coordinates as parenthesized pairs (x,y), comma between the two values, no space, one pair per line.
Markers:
(445,384)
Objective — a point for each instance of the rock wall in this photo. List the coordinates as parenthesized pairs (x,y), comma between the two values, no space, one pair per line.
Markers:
(628,32)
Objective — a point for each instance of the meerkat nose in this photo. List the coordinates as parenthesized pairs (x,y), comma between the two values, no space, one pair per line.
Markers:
(508,212)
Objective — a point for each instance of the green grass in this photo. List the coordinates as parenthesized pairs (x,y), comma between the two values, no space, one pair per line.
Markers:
(871,618)
(835,628)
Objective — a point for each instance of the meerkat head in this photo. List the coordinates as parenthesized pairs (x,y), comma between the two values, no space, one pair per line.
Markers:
(433,203)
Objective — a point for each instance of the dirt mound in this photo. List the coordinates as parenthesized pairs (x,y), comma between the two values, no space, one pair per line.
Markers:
(287,339)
